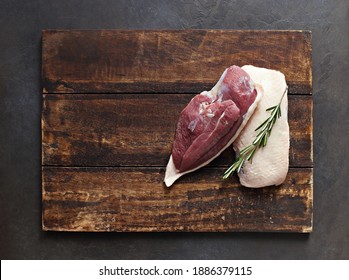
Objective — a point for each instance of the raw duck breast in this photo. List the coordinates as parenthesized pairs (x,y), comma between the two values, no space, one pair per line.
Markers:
(269,165)
(211,122)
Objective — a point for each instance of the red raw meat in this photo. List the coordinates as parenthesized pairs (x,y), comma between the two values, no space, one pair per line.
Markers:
(211,121)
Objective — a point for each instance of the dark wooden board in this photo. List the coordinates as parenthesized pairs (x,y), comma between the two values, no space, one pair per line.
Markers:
(111,100)
(168,61)
(112,130)
(135,199)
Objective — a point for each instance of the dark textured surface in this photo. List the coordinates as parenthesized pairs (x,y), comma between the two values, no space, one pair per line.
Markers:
(20,175)
(88,130)
(135,199)
(96,131)
(186,61)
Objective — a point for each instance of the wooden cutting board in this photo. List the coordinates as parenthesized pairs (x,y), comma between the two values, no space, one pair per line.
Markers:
(111,100)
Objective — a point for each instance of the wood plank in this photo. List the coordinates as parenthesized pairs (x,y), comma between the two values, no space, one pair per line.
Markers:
(138,130)
(135,199)
(107,61)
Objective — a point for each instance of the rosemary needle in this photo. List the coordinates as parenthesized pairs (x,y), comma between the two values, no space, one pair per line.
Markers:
(261,140)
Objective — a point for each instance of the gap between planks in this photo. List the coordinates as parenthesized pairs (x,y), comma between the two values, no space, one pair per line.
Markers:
(148,93)
(142,166)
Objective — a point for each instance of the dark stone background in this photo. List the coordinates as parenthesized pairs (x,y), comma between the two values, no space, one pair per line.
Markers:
(21,23)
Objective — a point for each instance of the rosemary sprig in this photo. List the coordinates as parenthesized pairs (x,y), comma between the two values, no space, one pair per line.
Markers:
(261,140)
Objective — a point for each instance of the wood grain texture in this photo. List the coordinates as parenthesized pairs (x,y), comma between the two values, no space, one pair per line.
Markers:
(135,199)
(138,129)
(110,107)
(107,61)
